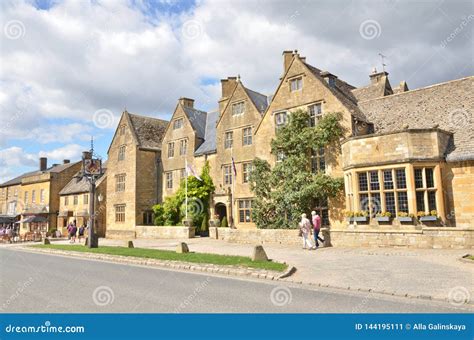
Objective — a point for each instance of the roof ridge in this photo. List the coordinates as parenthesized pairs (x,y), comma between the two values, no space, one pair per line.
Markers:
(149,117)
(418,89)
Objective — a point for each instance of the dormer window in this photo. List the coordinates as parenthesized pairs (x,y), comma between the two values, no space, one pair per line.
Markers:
(178,123)
(238,108)
(296,84)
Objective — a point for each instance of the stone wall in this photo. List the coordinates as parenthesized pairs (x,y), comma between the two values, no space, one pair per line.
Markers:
(426,238)
(152,232)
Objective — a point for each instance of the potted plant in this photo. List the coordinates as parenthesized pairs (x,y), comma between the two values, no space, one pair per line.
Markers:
(349,216)
(383,216)
(405,217)
(432,217)
(361,216)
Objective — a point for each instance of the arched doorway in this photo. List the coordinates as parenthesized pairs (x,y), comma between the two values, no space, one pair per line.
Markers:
(221,211)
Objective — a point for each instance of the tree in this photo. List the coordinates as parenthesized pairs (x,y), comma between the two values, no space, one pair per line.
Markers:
(173,210)
(291,188)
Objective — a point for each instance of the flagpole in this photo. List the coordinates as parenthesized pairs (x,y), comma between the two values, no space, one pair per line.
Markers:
(234,178)
(186,173)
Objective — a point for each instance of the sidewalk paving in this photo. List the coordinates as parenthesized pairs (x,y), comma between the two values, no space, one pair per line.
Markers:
(424,273)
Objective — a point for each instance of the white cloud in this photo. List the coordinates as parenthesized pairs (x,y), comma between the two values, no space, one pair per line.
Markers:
(70,151)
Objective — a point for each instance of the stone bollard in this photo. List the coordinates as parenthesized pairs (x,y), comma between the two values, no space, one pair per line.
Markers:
(46,241)
(182,248)
(130,244)
(259,254)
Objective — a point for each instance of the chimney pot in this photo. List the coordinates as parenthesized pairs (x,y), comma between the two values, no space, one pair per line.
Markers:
(375,78)
(43,163)
(187,102)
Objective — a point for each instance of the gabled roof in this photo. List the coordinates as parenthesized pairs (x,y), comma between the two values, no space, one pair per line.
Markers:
(79,185)
(449,105)
(57,168)
(372,91)
(210,144)
(148,131)
(197,118)
(260,101)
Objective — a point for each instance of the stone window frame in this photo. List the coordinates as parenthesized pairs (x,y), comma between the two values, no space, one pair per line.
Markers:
(427,191)
(42,196)
(238,108)
(183,147)
(318,160)
(227,174)
(374,198)
(120,180)
(33,196)
(247,136)
(121,153)
(298,80)
(120,213)
(75,200)
(25,199)
(246,171)
(228,139)
(315,116)
(182,174)
(66,200)
(169,180)
(321,206)
(170,149)
(178,123)
(85,198)
(244,210)
(122,129)
(281,119)
(148,217)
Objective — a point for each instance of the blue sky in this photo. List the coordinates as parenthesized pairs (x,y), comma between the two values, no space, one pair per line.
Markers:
(69,68)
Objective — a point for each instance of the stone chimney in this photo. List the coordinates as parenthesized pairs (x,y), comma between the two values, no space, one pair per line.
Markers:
(228,86)
(66,161)
(287,58)
(376,77)
(86,155)
(186,102)
(43,163)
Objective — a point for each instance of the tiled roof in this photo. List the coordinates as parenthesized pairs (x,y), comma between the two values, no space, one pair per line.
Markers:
(149,131)
(259,100)
(343,92)
(371,91)
(209,145)
(80,185)
(53,169)
(449,105)
(197,118)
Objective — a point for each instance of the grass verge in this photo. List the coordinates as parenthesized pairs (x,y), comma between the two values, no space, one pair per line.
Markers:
(226,260)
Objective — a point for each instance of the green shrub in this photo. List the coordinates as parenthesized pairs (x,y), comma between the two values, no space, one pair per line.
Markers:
(224,223)
(205,224)
(159,211)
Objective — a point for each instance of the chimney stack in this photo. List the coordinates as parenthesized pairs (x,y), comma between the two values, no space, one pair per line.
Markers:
(228,86)
(186,102)
(43,163)
(376,77)
(287,58)
(66,161)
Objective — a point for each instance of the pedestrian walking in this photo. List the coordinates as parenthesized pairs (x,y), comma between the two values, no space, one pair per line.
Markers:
(316,228)
(81,232)
(305,228)
(72,230)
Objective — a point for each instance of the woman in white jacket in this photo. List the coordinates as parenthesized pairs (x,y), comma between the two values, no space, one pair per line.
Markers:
(305,227)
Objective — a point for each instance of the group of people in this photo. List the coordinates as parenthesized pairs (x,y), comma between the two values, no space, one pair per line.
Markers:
(308,227)
(8,231)
(73,231)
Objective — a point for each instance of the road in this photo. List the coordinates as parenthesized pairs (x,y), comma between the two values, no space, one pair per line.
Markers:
(43,283)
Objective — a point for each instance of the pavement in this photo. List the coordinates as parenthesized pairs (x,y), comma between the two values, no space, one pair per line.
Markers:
(44,283)
(422,273)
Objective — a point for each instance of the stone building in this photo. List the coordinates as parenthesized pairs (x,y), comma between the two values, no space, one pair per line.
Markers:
(74,204)
(134,174)
(36,194)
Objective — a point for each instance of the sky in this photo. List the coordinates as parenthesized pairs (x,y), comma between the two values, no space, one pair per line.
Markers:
(68,69)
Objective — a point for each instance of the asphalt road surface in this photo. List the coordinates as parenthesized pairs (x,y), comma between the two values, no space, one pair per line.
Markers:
(42,283)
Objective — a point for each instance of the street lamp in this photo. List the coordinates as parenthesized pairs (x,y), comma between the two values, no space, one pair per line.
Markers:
(92,170)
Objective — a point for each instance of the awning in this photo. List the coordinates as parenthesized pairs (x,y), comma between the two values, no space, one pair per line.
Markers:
(7,219)
(33,219)
(63,214)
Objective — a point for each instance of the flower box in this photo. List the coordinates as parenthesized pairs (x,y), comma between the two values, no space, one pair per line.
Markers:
(405,219)
(383,219)
(360,219)
(428,219)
